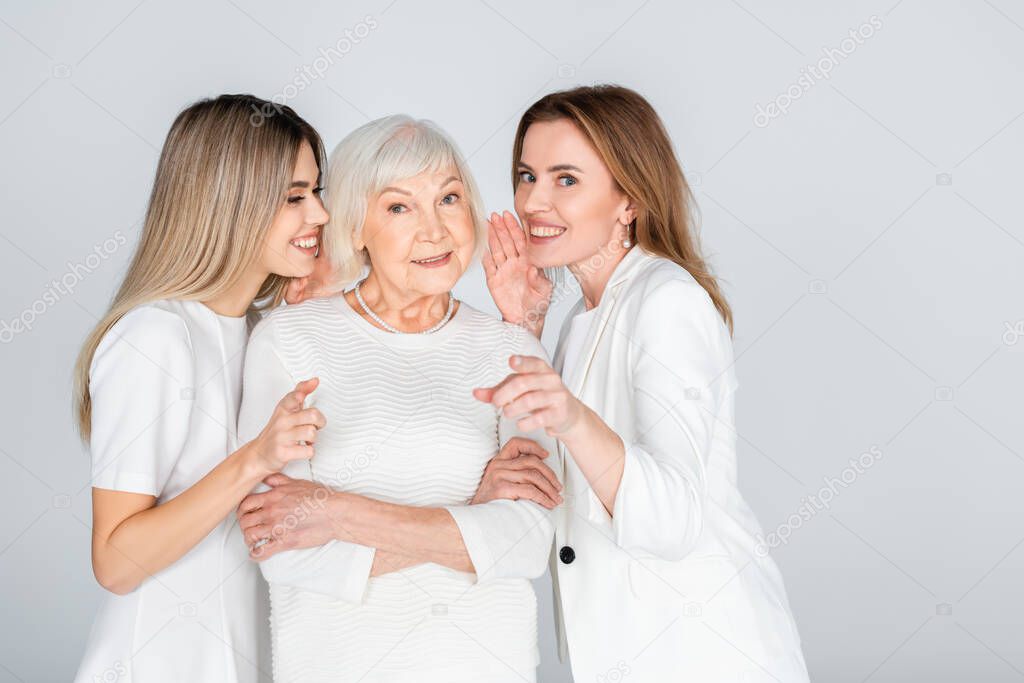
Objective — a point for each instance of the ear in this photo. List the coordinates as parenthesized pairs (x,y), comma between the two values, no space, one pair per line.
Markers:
(628,213)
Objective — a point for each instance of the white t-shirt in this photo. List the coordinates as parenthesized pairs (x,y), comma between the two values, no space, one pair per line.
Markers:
(165,384)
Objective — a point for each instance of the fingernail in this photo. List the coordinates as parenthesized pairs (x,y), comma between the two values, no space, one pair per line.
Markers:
(515,361)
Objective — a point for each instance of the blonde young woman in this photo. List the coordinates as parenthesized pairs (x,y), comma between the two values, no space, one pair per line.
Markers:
(657,573)
(381,567)
(234,212)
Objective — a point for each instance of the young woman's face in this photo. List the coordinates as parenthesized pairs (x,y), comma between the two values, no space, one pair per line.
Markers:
(567,200)
(294,236)
(419,233)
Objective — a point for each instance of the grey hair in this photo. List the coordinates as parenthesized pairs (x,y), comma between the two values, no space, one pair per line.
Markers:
(373,156)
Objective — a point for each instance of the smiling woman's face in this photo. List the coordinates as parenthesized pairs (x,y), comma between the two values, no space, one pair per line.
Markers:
(567,200)
(419,233)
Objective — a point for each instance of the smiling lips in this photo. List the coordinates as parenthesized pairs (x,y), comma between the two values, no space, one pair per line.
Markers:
(306,242)
(433,261)
(544,231)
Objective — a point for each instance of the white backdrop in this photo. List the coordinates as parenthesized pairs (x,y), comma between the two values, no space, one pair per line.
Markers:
(861,199)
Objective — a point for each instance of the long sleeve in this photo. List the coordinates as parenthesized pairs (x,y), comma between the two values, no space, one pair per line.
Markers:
(338,569)
(682,374)
(510,538)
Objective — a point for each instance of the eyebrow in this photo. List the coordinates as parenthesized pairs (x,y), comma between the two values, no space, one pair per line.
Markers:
(299,183)
(554,169)
(392,188)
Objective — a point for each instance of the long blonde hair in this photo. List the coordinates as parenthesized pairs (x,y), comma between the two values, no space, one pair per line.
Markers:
(631,140)
(223,174)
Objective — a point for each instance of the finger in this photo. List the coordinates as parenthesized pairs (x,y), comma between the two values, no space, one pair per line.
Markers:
(251,502)
(529,364)
(251,519)
(276,479)
(534,478)
(537,420)
(266,550)
(524,446)
(305,433)
(518,445)
(518,385)
(294,400)
(532,462)
(256,533)
(515,231)
(309,416)
(505,238)
(527,403)
(494,242)
(298,452)
(530,492)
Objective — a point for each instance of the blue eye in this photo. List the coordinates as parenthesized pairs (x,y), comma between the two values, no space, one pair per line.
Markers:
(526,177)
(454,197)
(399,207)
(570,180)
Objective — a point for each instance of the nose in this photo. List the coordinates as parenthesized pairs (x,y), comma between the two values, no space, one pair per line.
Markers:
(317,214)
(433,228)
(535,199)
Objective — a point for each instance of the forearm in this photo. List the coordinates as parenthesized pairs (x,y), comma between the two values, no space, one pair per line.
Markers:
(599,453)
(153,539)
(416,534)
(385,562)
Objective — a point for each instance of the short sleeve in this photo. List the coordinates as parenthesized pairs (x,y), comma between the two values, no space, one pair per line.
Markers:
(140,384)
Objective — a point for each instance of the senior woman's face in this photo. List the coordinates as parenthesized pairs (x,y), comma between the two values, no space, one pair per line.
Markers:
(419,232)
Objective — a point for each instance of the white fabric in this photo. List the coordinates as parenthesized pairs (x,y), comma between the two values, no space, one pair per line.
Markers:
(165,384)
(579,326)
(669,587)
(404,427)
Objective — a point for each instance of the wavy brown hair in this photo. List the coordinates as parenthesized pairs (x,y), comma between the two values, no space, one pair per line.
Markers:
(223,174)
(631,140)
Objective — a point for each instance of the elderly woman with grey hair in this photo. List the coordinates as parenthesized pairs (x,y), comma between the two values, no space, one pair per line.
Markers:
(380,566)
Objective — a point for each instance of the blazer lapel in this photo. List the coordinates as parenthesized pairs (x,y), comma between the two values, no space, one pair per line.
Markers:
(625,269)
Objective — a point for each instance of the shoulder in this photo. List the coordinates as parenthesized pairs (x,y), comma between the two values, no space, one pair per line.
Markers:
(157,332)
(664,288)
(512,339)
(294,316)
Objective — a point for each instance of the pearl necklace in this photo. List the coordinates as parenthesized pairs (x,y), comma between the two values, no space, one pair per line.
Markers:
(390,328)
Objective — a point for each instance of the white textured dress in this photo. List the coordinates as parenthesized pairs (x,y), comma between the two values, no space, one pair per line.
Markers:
(165,383)
(403,427)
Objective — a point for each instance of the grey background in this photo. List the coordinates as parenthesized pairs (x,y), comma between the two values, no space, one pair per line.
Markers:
(870,241)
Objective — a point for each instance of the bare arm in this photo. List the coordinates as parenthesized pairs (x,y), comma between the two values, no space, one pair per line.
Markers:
(133,537)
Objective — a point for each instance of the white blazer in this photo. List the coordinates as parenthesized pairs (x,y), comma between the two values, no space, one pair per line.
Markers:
(669,587)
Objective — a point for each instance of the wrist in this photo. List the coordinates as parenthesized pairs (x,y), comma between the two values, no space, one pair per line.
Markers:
(340,511)
(581,429)
(252,466)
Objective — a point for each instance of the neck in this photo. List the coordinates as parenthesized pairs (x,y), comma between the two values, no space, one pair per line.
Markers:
(594,279)
(402,309)
(235,300)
